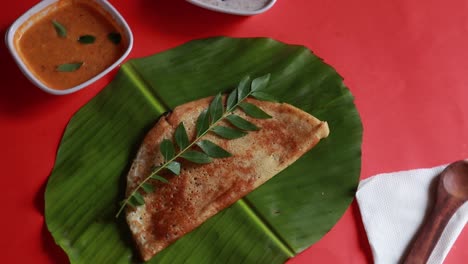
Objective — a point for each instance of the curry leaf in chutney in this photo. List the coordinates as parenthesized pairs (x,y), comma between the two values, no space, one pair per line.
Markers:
(87,39)
(69,67)
(60,29)
(115,37)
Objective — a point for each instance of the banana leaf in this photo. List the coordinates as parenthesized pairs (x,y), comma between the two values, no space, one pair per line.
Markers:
(273,223)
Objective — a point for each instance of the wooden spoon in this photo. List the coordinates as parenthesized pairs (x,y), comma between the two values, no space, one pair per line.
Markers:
(452,192)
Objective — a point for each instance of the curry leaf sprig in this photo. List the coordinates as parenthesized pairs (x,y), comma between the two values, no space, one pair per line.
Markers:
(207,122)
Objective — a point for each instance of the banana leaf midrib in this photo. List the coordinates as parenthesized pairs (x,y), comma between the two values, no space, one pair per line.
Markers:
(144,87)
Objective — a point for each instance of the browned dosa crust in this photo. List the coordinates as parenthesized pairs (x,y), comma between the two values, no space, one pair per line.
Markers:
(201,191)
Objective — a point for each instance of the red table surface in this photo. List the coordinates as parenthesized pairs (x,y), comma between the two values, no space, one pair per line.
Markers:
(405,61)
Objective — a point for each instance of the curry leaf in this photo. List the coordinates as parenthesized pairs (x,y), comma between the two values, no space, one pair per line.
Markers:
(231,100)
(69,67)
(241,123)
(263,96)
(138,199)
(260,83)
(131,202)
(167,149)
(115,37)
(243,89)
(213,150)
(196,157)
(254,111)
(228,133)
(148,188)
(174,166)
(216,108)
(60,29)
(159,178)
(86,39)
(181,136)
(203,122)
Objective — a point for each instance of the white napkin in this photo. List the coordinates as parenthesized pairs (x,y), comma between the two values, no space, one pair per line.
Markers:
(393,207)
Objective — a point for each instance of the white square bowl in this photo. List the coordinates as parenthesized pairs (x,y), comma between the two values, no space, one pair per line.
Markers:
(42,7)
(232,11)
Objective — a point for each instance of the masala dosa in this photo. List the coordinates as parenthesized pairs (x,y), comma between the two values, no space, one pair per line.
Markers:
(201,191)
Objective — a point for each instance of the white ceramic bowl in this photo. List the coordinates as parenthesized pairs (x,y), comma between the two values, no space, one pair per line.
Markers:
(232,11)
(10,36)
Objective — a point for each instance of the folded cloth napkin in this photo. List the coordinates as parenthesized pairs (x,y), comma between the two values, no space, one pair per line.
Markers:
(393,207)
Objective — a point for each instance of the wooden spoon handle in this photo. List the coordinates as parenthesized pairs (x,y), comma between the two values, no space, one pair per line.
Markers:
(432,229)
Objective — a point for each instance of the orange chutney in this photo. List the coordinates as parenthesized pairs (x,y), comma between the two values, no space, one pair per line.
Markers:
(43,50)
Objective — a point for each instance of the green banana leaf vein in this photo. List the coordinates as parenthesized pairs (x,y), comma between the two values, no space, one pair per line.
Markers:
(273,223)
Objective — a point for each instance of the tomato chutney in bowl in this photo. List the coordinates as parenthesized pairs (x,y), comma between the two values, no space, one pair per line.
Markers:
(62,46)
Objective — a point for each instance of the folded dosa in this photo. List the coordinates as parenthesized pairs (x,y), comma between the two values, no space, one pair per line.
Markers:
(201,191)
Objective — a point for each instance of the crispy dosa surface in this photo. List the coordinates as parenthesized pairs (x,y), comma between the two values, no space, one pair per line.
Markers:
(201,191)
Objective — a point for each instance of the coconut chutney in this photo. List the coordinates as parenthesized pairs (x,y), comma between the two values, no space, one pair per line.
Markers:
(247,5)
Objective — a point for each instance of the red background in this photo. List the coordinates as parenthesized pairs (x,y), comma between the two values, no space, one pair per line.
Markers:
(406,62)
